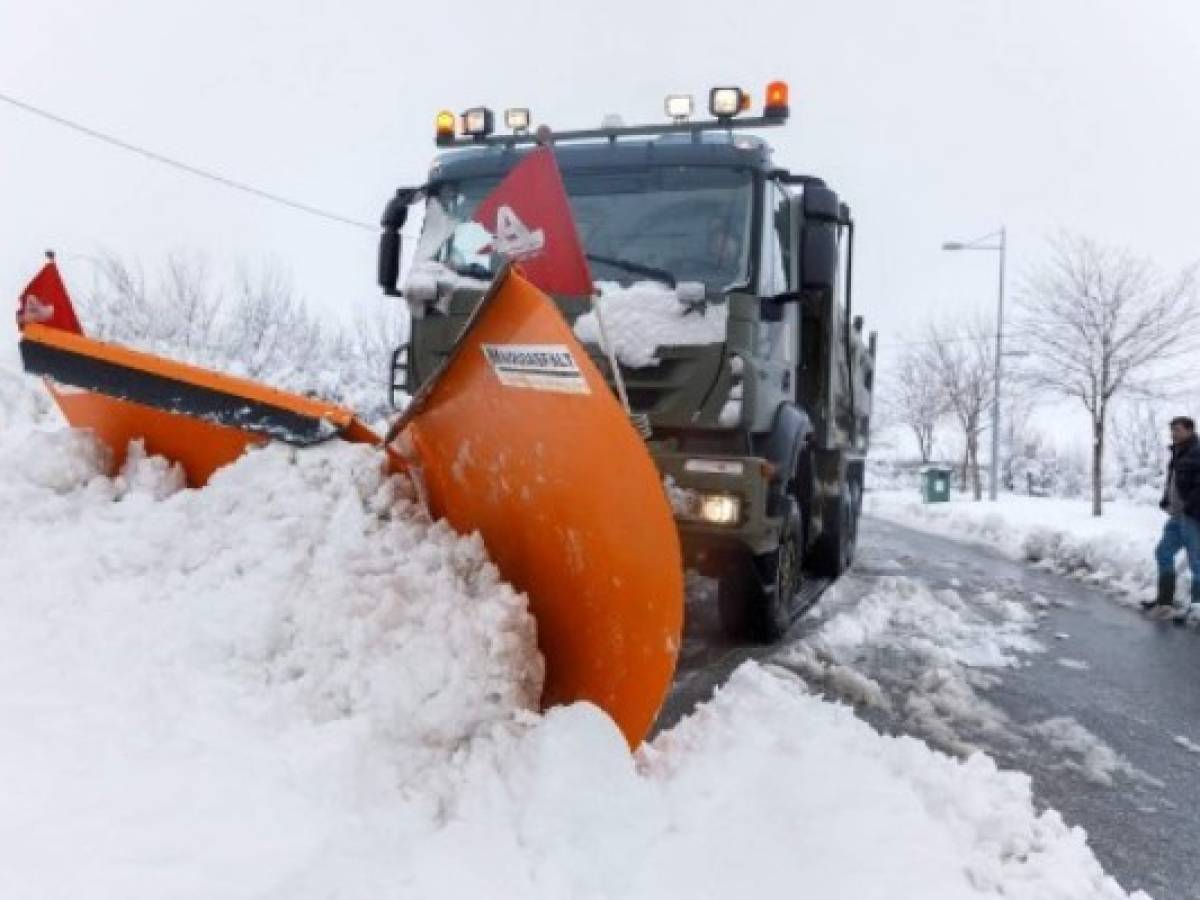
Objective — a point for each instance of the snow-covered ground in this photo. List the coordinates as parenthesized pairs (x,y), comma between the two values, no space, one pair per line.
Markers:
(927,657)
(292,684)
(1114,551)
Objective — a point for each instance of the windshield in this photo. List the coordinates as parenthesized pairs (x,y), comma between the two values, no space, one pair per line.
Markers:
(668,224)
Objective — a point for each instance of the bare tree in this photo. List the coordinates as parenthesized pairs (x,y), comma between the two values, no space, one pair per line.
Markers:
(964,358)
(917,400)
(1100,322)
(258,327)
(1139,440)
(1018,437)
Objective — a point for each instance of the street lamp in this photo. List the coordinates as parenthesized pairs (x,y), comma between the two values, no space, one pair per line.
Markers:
(996,241)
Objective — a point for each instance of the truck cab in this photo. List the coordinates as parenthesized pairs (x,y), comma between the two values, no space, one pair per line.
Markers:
(724,302)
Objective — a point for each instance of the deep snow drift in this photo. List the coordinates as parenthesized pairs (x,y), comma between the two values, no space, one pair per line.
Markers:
(291,684)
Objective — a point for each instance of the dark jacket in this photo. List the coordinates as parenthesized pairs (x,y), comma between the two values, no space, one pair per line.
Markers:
(1185,469)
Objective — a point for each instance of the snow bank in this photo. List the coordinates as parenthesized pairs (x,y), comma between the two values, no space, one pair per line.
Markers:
(22,400)
(645,316)
(1115,550)
(292,684)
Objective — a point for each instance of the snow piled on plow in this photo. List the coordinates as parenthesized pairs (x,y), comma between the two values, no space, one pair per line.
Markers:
(292,684)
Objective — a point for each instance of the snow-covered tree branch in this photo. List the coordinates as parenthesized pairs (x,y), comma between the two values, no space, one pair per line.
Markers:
(253,324)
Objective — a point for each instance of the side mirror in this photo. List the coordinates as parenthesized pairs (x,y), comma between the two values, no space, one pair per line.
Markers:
(819,240)
(818,257)
(390,245)
(390,242)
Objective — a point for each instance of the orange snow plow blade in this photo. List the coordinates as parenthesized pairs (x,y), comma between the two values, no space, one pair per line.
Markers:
(520,438)
(198,418)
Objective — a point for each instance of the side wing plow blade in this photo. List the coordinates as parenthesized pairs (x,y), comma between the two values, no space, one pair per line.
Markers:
(198,418)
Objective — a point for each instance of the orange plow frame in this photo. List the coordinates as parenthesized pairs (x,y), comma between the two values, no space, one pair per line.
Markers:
(518,437)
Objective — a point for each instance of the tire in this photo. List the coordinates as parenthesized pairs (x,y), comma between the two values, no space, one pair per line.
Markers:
(834,550)
(756,594)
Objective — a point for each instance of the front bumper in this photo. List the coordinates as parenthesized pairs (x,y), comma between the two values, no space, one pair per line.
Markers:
(705,544)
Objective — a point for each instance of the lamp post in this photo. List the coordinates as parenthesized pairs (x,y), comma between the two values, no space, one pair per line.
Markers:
(996,241)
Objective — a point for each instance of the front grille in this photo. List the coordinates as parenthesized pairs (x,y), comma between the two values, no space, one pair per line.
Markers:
(653,388)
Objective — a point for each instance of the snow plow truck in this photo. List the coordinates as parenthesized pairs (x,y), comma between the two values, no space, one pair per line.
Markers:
(631,352)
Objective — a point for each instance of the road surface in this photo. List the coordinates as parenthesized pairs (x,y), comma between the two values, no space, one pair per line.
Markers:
(1128,686)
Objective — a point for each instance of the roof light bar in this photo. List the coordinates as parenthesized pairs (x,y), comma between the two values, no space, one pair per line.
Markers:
(725,103)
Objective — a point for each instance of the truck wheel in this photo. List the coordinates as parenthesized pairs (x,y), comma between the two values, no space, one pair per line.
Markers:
(756,594)
(834,551)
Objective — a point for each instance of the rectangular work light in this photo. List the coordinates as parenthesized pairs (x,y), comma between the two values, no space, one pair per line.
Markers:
(726,102)
(679,106)
(478,122)
(517,119)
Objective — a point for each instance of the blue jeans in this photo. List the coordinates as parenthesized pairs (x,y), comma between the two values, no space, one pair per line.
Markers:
(1180,533)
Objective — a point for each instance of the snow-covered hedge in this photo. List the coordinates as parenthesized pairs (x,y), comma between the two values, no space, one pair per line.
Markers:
(1115,550)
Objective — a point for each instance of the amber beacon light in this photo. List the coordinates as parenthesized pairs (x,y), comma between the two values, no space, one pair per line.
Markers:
(445,126)
(777,100)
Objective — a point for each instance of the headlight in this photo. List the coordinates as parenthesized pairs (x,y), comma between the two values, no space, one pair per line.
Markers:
(694,506)
(720,509)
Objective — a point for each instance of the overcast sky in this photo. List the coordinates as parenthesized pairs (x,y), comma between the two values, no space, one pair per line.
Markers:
(934,120)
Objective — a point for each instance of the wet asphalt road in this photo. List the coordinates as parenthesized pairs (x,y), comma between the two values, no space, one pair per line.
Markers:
(1140,690)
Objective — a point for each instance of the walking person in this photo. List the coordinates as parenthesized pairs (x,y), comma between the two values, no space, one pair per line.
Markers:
(1181,502)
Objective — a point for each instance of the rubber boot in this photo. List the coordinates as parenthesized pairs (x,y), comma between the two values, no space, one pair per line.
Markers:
(1190,614)
(1165,597)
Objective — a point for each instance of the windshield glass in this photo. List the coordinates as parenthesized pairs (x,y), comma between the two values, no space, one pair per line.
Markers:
(669,224)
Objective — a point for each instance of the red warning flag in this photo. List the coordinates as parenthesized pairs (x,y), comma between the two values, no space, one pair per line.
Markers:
(45,302)
(530,217)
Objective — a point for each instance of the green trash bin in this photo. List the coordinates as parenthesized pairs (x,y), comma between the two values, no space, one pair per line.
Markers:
(935,484)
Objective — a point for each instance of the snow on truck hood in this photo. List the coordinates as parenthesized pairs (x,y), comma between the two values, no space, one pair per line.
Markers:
(292,684)
(645,316)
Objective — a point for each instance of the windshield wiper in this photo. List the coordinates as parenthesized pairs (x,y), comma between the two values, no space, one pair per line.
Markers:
(635,268)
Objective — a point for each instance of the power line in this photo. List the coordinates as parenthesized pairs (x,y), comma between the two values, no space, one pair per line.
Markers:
(184,167)
(956,340)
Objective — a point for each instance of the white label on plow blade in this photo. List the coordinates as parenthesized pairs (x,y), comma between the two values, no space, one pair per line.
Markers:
(539,367)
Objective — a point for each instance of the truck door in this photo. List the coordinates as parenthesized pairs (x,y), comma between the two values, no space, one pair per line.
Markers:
(778,336)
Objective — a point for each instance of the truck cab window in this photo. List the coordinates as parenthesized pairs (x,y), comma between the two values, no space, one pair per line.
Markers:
(776,263)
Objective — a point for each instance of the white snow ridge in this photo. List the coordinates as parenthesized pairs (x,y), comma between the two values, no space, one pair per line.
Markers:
(292,685)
